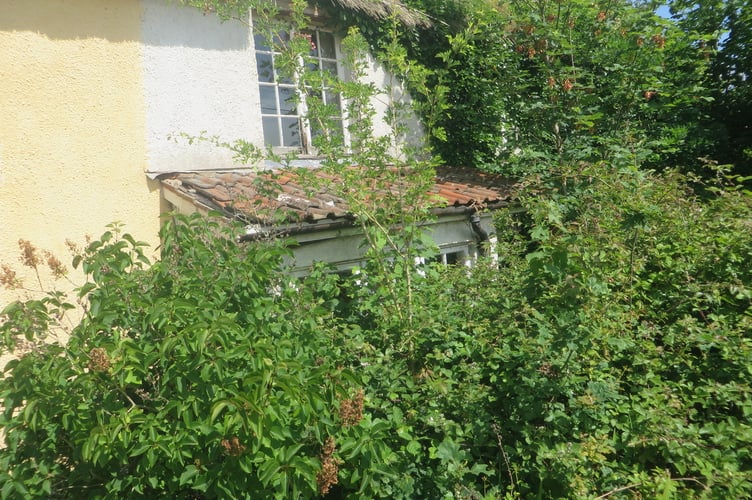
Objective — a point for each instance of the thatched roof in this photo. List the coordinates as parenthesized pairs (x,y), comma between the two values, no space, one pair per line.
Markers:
(385,9)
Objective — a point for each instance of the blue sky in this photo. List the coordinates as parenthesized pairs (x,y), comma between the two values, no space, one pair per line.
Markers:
(663,11)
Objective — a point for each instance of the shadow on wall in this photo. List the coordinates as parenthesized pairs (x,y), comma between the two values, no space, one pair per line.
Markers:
(167,24)
(143,21)
(112,20)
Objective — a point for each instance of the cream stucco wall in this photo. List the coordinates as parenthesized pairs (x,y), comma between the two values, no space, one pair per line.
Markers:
(72,125)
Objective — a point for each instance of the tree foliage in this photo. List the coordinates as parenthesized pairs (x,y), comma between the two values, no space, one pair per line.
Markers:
(561,82)
(727,38)
(606,353)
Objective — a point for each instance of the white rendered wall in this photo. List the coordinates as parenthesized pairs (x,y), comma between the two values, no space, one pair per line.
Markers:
(393,92)
(199,77)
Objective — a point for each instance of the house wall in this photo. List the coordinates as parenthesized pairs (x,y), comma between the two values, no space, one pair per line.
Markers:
(343,248)
(72,126)
(199,77)
(93,97)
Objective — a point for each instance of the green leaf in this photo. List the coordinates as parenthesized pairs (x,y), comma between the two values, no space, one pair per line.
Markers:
(132,379)
(140,449)
(267,471)
(188,474)
(218,407)
(448,451)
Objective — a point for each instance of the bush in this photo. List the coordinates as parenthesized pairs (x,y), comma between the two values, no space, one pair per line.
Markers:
(197,376)
(607,353)
(625,353)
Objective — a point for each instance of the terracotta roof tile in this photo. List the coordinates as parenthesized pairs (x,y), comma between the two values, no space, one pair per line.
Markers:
(284,199)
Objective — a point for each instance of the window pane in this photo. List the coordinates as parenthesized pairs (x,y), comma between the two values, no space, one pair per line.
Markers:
(268,94)
(281,38)
(334,132)
(290,132)
(452,258)
(260,42)
(282,78)
(271,131)
(330,67)
(287,101)
(326,45)
(311,36)
(264,67)
(338,127)
(313,96)
(332,98)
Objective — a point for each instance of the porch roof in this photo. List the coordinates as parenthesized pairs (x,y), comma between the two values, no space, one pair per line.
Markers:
(281,197)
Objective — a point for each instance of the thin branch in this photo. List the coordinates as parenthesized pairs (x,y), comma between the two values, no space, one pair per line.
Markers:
(504,454)
(634,485)
(617,490)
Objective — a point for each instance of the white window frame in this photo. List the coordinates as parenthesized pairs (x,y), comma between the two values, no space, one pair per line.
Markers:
(284,113)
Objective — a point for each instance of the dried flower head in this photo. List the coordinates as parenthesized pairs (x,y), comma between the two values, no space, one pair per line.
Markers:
(327,476)
(8,278)
(659,41)
(73,247)
(547,370)
(56,267)
(99,361)
(351,410)
(233,447)
(29,254)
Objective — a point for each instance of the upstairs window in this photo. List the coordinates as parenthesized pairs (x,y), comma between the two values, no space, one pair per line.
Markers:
(283,108)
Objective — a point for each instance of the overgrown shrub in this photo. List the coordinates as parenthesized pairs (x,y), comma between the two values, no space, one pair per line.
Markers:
(201,374)
(607,353)
(624,354)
